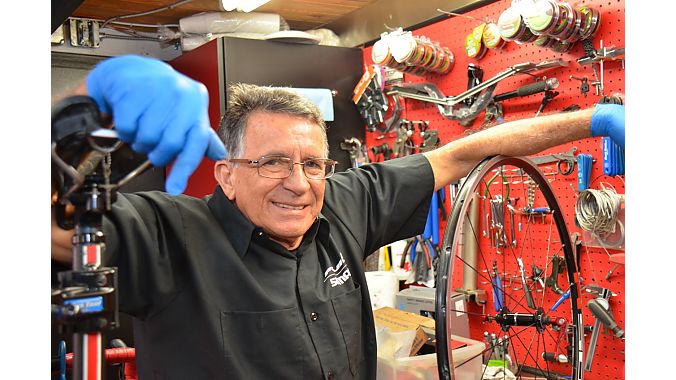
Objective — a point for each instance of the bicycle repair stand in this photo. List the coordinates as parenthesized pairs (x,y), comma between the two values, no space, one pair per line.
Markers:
(85,302)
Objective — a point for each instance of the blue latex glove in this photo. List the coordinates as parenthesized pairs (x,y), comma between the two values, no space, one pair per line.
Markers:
(157,111)
(608,120)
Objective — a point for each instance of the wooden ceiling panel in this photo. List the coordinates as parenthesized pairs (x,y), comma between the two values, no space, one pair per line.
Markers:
(299,14)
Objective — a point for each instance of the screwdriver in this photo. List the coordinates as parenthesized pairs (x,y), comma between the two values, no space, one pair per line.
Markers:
(564,297)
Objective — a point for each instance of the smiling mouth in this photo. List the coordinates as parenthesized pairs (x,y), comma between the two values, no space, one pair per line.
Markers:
(287,206)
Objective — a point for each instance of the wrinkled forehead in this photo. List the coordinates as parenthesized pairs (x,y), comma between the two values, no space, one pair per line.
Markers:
(278,128)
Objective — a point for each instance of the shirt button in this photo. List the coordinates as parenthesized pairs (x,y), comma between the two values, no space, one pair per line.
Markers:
(314,316)
(330,375)
(260,233)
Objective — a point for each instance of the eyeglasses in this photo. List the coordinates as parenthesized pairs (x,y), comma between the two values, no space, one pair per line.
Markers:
(281,167)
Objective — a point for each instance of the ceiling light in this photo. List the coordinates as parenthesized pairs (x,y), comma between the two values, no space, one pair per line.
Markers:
(242,5)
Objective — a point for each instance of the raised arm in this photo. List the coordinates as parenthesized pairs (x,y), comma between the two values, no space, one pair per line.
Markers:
(157,111)
(524,137)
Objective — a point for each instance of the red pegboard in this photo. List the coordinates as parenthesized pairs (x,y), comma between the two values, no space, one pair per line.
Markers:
(451,32)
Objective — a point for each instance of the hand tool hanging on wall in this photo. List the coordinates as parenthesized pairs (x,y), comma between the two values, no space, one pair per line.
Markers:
(356,150)
(598,57)
(496,283)
(558,266)
(565,161)
(584,167)
(373,104)
(524,283)
(600,308)
(428,92)
(474,77)
(617,259)
(584,84)
(403,135)
(382,149)
(529,89)
(549,95)
(494,107)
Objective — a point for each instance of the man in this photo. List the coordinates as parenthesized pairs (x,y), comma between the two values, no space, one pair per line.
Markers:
(263,279)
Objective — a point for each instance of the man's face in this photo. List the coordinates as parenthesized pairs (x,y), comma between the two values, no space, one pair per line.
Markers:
(285,208)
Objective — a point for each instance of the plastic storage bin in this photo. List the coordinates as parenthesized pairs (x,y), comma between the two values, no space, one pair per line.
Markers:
(424,367)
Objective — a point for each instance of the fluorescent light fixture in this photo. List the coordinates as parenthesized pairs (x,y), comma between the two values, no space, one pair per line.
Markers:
(229,5)
(242,5)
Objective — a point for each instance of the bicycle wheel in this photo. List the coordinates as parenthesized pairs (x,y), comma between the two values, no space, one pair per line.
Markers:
(513,252)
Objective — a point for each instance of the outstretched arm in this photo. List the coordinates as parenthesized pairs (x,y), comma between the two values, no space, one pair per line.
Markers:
(524,137)
(157,111)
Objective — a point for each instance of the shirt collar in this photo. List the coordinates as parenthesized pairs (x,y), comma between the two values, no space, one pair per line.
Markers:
(234,223)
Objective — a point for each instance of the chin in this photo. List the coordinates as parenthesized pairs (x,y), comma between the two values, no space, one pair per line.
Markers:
(292,232)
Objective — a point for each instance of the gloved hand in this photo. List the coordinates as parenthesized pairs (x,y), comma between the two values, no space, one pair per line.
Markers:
(608,120)
(157,111)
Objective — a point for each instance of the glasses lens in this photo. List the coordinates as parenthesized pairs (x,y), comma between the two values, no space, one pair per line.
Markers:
(318,168)
(275,167)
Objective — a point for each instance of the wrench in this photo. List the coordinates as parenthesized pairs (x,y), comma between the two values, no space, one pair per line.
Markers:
(551,281)
(568,159)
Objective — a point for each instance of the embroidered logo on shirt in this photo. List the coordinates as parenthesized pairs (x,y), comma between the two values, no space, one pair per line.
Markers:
(338,274)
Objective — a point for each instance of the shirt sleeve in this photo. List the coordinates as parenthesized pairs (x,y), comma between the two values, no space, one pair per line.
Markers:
(382,202)
(145,241)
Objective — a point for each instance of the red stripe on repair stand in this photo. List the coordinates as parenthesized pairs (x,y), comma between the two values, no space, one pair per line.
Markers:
(92,254)
(93,363)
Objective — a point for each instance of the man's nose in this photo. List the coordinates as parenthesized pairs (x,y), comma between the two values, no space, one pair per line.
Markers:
(297,181)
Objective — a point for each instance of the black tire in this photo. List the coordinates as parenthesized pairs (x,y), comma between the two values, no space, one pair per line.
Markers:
(538,330)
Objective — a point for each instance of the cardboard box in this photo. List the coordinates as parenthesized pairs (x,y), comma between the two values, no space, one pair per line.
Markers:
(420,300)
(399,320)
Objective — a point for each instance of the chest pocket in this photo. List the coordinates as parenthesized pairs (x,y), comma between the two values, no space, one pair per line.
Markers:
(262,345)
(348,312)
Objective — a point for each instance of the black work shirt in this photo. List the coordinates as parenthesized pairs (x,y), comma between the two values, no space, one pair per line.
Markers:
(214,298)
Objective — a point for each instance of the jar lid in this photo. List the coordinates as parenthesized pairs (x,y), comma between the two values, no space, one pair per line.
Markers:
(492,37)
(591,19)
(542,40)
(380,53)
(540,15)
(510,23)
(472,46)
(402,47)
(576,33)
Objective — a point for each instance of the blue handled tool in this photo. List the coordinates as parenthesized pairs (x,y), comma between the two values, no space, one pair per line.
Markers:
(613,158)
(584,166)
(498,295)
(434,210)
(564,297)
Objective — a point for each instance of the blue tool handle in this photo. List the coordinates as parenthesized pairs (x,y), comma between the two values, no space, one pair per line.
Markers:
(414,246)
(434,211)
(620,159)
(428,225)
(584,164)
(539,210)
(607,159)
(614,158)
(564,297)
(498,296)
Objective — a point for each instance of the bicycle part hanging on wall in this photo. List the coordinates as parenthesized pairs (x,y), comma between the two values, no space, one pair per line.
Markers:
(451,107)
(489,254)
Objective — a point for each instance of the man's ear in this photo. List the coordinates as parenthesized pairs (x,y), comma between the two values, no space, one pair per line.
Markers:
(224,176)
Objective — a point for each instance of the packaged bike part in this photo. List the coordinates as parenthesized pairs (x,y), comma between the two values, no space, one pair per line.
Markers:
(492,38)
(541,16)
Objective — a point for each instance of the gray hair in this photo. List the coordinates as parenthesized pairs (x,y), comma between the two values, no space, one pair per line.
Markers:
(245,99)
